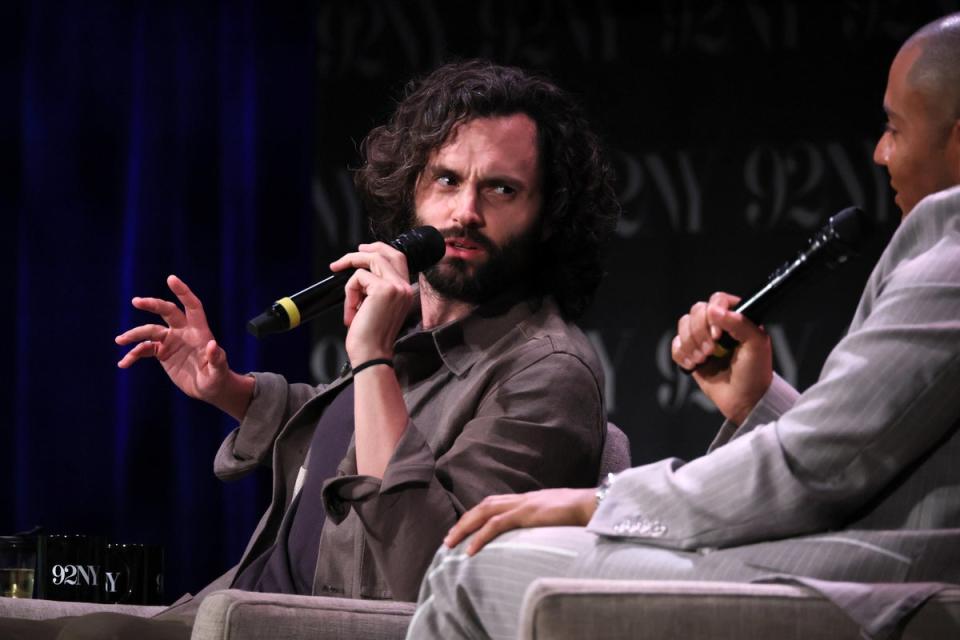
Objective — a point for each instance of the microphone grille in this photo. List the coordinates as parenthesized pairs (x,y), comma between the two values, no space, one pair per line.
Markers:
(423,246)
(851,226)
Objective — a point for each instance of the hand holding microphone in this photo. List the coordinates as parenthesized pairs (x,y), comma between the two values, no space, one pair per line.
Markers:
(377,299)
(735,384)
(720,342)
(422,246)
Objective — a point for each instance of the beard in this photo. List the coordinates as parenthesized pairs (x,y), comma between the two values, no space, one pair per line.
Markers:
(506,267)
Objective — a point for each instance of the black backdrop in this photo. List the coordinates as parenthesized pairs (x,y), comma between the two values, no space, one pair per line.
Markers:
(736,129)
(214,141)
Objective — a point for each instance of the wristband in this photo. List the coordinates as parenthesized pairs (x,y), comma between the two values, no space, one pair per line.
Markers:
(370,363)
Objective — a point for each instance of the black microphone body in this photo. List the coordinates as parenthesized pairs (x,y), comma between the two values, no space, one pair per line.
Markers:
(831,246)
(423,247)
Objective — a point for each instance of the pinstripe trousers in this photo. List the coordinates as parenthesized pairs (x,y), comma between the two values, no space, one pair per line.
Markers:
(481,597)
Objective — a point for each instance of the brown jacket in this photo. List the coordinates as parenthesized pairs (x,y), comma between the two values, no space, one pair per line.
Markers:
(505,400)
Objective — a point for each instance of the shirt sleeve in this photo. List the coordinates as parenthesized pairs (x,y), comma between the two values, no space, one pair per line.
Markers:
(250,445)
(542,427)
(886,397)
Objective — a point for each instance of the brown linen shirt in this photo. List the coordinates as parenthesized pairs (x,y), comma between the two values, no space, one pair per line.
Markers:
(507,399)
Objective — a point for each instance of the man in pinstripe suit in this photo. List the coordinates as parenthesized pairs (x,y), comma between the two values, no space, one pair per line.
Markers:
(856,479)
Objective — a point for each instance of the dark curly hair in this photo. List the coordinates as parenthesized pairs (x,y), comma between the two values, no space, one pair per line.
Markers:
(579,205)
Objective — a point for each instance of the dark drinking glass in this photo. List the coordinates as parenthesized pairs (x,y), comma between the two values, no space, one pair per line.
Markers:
(70,567)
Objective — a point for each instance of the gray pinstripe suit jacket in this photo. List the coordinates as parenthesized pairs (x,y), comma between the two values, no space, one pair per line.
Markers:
(858,478)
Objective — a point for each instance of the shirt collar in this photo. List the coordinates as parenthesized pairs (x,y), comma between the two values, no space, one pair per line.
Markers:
(460,343)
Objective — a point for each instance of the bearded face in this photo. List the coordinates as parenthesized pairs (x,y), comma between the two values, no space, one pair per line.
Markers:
(482,189)
(505,266)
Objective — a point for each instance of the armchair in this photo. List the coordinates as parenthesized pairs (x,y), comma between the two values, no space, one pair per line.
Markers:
(563,608)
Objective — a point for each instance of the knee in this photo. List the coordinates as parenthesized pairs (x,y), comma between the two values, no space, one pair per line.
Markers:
(446,561)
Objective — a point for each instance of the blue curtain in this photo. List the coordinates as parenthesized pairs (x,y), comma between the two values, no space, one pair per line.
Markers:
(142,139)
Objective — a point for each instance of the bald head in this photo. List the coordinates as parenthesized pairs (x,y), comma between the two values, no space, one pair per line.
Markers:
(920,146)
(936,71)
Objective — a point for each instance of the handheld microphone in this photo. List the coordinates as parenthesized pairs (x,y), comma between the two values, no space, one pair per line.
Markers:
(423,246)
(829,247)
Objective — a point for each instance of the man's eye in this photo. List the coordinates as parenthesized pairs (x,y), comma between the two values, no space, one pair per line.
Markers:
(888,128)
(447,180)
(504,190)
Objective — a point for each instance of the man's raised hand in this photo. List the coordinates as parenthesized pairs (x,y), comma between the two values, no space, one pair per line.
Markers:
(187,351)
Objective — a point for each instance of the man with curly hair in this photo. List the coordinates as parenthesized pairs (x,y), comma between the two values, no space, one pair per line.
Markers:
(472,383)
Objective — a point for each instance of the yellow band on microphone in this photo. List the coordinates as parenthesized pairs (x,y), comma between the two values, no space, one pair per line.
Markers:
(292,312)
(720,351)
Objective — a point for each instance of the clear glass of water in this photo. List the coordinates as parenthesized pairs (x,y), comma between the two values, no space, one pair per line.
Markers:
(18,558)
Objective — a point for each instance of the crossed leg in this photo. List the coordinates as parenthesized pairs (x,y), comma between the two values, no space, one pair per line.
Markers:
(481,597)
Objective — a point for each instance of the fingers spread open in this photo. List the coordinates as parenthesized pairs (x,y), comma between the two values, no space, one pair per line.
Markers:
(146,349)
(170,312)
(191,303)
(216,357)
(143,332)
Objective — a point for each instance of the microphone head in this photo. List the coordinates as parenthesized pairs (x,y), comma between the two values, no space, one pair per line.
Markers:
(851,226)
(423,246)
(831,246)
